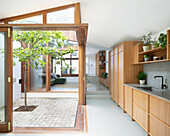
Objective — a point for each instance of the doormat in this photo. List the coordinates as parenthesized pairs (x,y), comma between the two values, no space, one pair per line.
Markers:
(26,109)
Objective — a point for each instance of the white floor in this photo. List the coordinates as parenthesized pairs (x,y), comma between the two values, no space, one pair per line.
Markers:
(104,119)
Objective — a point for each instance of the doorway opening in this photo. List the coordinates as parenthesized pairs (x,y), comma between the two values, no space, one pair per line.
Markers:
(45,111)
(97,72)
(31,81)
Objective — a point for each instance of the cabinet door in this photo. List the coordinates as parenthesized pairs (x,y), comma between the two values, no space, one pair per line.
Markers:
(111,76)
(115,78)
(121,79)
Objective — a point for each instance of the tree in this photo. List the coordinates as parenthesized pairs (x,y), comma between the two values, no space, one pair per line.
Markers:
(34,44)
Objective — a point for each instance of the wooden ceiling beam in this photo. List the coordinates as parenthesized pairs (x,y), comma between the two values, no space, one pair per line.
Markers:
(59,27)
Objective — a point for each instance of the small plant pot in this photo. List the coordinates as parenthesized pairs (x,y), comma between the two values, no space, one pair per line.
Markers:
(146,48)
(153,47)
(146,59)
(155,58)
(142,82)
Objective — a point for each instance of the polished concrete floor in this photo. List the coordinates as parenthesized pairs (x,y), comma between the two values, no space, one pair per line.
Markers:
(96,86)
(104,119)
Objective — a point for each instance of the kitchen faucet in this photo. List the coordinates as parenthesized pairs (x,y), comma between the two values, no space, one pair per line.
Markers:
(163,86)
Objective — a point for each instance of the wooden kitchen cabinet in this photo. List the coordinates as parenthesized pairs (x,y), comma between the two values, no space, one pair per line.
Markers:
(121,77)
(159,117)
(160,109)
(150,112)
(128,100)
(157,128)
(128,93)
(115,76)
(128,107)
(140,116)
(141,99)
(123,70)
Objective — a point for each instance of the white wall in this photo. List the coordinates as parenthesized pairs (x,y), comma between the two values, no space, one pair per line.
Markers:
(16,76)
(90,65)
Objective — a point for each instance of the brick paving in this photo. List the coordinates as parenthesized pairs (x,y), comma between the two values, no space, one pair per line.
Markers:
(51,112)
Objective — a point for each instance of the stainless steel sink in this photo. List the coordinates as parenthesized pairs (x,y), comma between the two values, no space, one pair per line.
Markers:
(145,88)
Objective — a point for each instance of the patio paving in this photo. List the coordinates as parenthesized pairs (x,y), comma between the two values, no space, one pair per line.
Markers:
(51,112)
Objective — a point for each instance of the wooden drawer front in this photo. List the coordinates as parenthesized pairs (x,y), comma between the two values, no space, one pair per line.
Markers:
(120,47)
(140,116)
(140,99)
(160,109)
(157,128)
(115,51)
(128,107)
(128,93)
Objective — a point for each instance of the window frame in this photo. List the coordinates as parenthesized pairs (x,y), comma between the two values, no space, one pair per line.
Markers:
(70,75)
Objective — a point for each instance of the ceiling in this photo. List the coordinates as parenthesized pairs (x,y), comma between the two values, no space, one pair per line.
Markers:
(110,21)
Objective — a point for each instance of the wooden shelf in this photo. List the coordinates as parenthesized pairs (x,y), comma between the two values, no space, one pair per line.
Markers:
(156,61)
(152,51)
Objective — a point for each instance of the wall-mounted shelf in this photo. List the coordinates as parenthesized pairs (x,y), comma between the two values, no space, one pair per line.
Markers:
(149,62)
(164,54)
(100,63)
(152,51)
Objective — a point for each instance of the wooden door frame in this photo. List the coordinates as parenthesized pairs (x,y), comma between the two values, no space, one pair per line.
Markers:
(81,31)
(9,82)
(77,20)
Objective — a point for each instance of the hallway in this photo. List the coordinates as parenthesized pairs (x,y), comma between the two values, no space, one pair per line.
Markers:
(95,85)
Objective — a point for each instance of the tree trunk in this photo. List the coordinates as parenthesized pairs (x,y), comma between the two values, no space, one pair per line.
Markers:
(25,87)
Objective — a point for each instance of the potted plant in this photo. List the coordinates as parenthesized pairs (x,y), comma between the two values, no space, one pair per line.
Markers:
(146,58)
(142,77)
(147,41)
(155,44)
(162,40)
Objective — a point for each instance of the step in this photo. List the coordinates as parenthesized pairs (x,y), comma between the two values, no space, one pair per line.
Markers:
(98,96)
(97,93)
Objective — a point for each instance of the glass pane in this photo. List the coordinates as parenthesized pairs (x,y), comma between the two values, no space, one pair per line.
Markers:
(3,97)
(38,77)
(30,20)
(63,16)
(66,55)
(56,68)
(75,66)
(75,54)
(66,71)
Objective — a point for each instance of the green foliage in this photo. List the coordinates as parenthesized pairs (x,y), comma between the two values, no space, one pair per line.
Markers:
(147,39)
(87,80)
(146,56)
(34,45)
(141,75)
(156,43)
(162,40)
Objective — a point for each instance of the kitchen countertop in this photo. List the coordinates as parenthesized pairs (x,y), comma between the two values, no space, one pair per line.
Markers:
(160,93)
